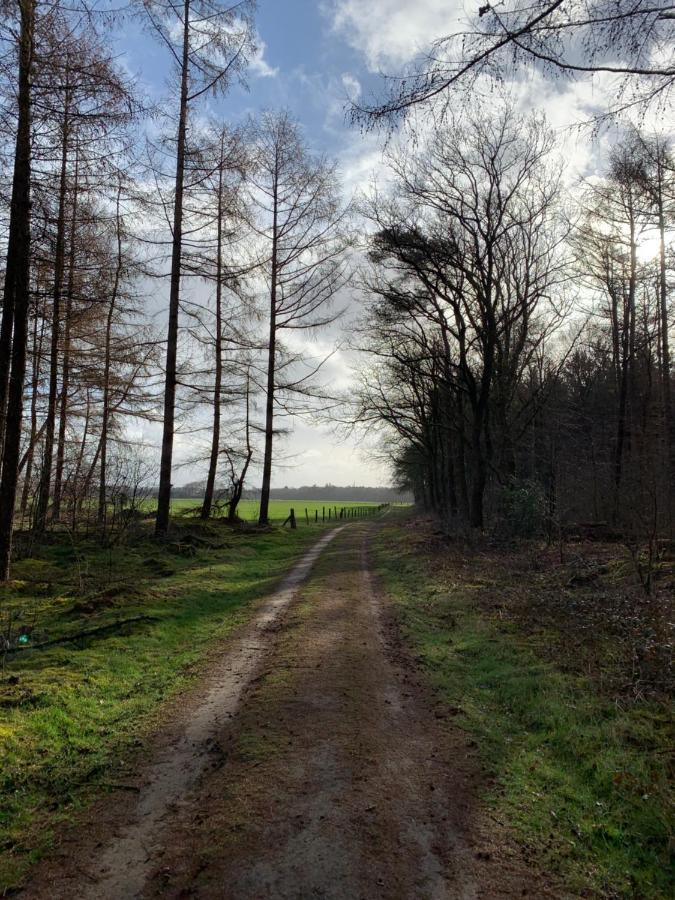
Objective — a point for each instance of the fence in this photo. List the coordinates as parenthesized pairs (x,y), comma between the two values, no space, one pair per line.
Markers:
(336,514)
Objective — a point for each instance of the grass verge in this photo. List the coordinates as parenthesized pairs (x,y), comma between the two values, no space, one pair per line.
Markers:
(579,776)
(111,634)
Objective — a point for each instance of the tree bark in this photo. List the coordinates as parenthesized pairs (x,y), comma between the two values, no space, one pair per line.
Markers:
(19,235)
(105,412)
(59,261)
(263,518)
(164,494)
(65,373)
(34,434)
(218,378)
(669,424)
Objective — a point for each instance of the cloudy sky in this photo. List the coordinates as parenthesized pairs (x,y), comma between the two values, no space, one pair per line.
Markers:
(313,56)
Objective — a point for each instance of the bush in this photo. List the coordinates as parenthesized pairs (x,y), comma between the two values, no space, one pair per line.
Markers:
(521,509)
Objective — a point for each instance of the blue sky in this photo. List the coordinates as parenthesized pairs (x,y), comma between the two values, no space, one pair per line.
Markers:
(304,64)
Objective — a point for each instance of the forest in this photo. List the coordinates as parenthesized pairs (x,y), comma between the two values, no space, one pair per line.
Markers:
(489,321)
(515,332)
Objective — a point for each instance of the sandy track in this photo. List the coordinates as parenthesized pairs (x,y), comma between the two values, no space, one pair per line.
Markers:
(315,765)
(117,869)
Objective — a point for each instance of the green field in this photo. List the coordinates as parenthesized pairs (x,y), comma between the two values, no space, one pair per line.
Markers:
(279,509)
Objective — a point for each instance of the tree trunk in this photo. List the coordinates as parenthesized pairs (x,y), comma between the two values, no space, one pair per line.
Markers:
(669,424)
(164,494)
(459,464)
(19,235)
(7,325)
(263,518)
(479,475)
(35,380)
(59,260)
(105,413)
(218,380)
(65,373)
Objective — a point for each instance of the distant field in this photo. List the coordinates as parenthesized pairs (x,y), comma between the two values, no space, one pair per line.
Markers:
(279,509)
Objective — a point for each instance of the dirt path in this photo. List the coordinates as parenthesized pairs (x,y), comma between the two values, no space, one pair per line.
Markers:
(311,765)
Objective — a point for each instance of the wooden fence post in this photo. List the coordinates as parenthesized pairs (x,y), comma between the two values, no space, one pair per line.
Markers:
(324,514)
(306,515)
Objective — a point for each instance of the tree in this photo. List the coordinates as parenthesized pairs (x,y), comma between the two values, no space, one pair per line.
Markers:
(210,43)
(17,286)
(629,40)
(467,257)
(87,105)
(625,211)
(299,222)
(215,251)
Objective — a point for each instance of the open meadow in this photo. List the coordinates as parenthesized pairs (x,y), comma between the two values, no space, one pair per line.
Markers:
(278,510)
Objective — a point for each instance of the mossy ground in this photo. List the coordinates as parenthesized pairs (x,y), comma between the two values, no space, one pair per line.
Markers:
(112,634)
(580,775)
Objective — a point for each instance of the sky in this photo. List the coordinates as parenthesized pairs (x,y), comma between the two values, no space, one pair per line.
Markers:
(313,55)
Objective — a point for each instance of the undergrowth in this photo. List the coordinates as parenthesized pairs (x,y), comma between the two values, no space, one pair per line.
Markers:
(580,775)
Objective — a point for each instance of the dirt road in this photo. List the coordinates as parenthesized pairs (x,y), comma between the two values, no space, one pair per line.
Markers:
(311,763)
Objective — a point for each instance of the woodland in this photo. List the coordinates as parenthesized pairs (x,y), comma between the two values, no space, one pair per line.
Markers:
(506,330)
(514,347)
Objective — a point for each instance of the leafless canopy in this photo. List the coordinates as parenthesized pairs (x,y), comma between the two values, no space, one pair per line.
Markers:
(631,41)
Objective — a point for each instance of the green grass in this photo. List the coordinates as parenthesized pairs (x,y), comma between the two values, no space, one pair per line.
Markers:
(70,712)
(248,510)
(579,776)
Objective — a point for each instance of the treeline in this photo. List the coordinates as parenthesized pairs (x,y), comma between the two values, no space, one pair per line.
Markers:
(520,343)
(195,490)
(148,280)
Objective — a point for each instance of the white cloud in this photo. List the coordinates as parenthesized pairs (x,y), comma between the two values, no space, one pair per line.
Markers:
(390,33)
(352,85)
(258,66)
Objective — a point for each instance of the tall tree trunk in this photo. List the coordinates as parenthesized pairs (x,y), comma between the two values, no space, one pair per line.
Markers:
(218,380)
(35,381)
(65,372)
(239,486)
(105,412)
(263,518)
(627,383)
(7,325)
(164,495)
(669,424)
(19,236)
(59,264)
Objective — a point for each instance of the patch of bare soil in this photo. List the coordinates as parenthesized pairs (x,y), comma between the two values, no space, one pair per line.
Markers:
(314,764)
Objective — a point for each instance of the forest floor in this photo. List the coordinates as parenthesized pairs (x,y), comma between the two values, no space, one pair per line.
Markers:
(391,722)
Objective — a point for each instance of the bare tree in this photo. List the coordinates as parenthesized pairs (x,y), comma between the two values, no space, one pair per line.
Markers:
(629,40)
(210,43)
(300,224)
(468,248)
(17,286)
